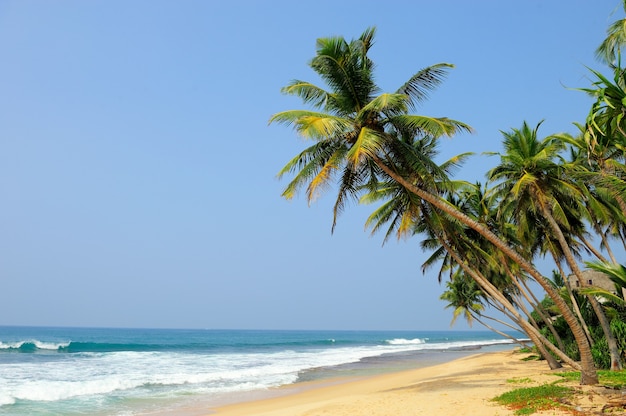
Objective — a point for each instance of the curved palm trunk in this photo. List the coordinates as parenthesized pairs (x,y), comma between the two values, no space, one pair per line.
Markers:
(542,312)
(538,308)
(591,248)
(608,248)
(616,363)
(542,344)
(572,298)
(504,334)
(589,374)
(517,328)
(540,341)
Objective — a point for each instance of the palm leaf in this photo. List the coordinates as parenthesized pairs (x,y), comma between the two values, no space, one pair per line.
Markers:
(307,164)
(313,125)
(432,126)
(368,143)
(385,103)
(309,93)
(324,176)
(420,84)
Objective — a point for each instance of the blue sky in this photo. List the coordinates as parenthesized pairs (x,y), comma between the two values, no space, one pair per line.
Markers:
(138,172)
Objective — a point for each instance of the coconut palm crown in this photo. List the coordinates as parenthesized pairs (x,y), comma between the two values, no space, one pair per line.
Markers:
(352,122)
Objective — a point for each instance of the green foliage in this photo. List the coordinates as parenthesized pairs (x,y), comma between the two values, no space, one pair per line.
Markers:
(532,358)
(600,349)
(600,353)
(618,327)
(612,379)
(529,400)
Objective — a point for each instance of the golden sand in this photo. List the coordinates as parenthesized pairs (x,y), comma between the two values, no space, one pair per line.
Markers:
(462,387)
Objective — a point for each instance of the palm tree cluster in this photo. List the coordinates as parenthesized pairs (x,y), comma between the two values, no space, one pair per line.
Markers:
(559,197)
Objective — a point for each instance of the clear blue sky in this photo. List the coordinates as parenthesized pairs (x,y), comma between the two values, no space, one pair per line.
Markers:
(138,173)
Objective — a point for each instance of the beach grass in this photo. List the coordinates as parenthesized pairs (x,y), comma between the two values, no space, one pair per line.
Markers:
(529,400)
(612,379)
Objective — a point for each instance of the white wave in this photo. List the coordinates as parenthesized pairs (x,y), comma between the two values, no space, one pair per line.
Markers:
(134,374)
(11,345)
(465,344)
(50,345)
(402,341)
(38,344)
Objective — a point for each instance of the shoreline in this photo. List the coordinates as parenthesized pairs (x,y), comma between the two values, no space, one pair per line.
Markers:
(448,388)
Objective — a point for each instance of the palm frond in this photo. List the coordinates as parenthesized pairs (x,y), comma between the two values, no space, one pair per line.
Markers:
(309,93)
(385,103)
(313,125)
(307,164)
(423,82)
(432,126)
(368,144)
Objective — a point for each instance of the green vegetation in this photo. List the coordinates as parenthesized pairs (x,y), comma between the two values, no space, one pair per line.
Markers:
(557,196)
(529,400)
(613,379)
(519,380)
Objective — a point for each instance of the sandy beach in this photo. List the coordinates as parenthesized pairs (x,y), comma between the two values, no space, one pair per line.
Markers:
(461,387)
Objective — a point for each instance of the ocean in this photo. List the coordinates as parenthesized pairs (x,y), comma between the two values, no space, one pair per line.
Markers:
(128,372)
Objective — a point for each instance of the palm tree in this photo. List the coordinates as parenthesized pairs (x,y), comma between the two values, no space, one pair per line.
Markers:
(464,295)
(593,157)
(363,138)
(406,215)
(355,120)
(609,50)
(532,184)
(605,136)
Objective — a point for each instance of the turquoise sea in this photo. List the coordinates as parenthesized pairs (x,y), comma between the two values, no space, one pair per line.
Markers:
(124,372)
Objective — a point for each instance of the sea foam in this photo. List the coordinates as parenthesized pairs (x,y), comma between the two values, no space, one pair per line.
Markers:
(402,341)
(43,373)
(33,344)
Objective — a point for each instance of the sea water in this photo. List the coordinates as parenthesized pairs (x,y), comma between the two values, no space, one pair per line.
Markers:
(97,371)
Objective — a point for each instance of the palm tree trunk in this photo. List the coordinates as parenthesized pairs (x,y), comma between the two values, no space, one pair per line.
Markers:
(542,312)
(591,247)
(607,246)
(539,309)
(572,298)
(517,328)
(540,341)
(588,371)
(489,327)
(616,363)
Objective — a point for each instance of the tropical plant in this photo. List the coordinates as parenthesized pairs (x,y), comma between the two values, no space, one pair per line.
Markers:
(365,140)
(531,183)
(609,50)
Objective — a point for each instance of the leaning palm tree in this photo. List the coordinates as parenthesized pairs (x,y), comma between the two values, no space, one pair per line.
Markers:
(603,142)
(465,298)
(363,138)
(355,119)
(532,184)
(592,158)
